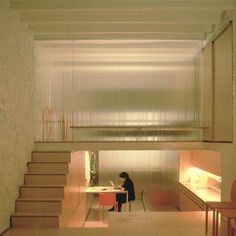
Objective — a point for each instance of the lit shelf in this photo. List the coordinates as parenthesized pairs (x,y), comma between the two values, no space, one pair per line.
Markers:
(204,193)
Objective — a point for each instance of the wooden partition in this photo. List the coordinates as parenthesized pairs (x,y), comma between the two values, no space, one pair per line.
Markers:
(214,84)
(185,162)
(208,92)
(209,161)
(222,87)
(197,186)
(76,203)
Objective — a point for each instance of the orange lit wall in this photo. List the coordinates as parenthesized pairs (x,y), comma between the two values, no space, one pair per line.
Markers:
(207,160)
(206,171)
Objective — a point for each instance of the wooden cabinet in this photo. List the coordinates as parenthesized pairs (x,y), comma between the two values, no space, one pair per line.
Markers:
(216,90)
(209,161)
(206,160)
(222,87)
(188,201)
(207,110)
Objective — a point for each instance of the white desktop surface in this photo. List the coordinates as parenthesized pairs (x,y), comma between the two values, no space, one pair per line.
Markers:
(107,189)
(103,189)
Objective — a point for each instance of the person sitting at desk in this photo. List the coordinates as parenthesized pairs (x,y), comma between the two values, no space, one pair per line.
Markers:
(127,185)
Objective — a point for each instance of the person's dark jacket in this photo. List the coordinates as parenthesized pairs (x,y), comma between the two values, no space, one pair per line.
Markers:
(129,186)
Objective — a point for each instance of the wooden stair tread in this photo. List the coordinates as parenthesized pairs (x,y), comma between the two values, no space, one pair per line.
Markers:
(42,186)
(33,173)
(59,172)
(51,152)
(48,162)
(39,199)
(22,214)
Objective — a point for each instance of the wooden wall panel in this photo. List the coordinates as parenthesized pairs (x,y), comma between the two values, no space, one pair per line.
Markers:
(223,116)
(207,160)
(204,159)
(185,163)
(189,201)
(208,92)
(74,207)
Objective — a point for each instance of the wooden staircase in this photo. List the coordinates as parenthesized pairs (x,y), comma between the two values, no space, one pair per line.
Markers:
(41,197)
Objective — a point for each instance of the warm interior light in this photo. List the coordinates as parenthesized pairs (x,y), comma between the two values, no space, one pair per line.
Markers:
(199,178)
(200,172)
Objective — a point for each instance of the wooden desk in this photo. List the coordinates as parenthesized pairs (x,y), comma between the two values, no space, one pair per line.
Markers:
(108,189)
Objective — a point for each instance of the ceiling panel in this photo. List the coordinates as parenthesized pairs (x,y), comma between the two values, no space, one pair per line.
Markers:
(122,19)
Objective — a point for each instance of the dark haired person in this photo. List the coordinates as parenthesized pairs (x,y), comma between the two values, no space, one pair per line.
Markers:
(128,185)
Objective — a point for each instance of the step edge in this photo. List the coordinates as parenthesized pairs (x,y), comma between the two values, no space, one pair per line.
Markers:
(48,162)
(42,186)
(45,174)
(36,214)
(51,152)
(39,200)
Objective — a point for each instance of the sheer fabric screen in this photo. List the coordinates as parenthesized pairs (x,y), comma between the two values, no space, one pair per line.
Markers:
(154,171)
(116,84)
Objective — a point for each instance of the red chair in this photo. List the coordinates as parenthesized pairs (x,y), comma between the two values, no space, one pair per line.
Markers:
(107,199)
(215,206)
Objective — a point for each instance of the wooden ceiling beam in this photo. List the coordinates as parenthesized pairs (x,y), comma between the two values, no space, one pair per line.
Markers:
(103,28)
(118,36)
(152,16)
(116,52)
(122,19)
(121,4)
(130,46)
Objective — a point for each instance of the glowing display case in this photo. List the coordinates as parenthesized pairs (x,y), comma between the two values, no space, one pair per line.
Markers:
(199,177)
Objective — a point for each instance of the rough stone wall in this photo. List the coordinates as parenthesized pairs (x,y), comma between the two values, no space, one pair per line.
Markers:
(17,125)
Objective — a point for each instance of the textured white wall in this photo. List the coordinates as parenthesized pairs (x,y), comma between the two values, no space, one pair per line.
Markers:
(16,108)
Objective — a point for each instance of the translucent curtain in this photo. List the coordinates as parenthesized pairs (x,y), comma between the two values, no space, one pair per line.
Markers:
(79,85)
(154,171)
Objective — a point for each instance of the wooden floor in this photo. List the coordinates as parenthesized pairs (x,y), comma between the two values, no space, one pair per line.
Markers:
(93,216)
(137,222)
(133,223)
